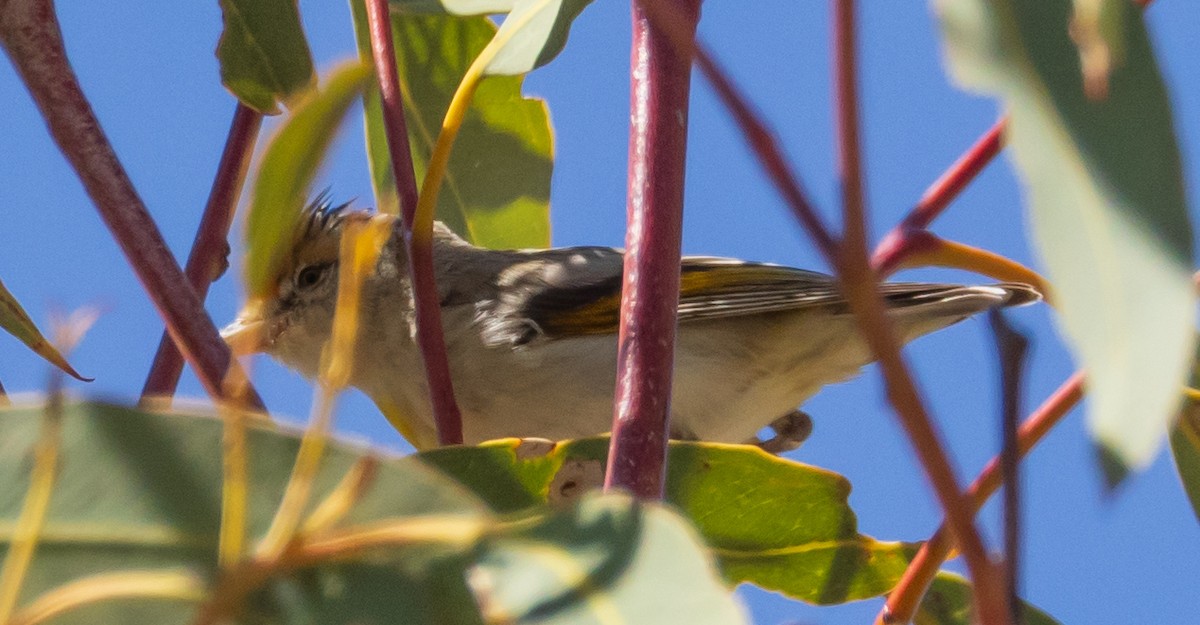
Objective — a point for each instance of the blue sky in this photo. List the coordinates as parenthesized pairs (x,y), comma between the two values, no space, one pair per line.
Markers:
(152,78)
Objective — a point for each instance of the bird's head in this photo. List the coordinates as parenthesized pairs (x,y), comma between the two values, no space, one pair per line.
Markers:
(292,322)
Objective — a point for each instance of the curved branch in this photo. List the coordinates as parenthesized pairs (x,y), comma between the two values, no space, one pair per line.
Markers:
(31,35)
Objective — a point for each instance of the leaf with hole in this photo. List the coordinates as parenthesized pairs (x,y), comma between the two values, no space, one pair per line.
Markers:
(264,56)
(778,524)
(1106,197)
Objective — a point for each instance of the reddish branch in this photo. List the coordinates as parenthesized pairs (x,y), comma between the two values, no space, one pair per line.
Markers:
(30,33)
(906,596)
(859,285)
(659,85)
(899,242)
(210,249)
(426,303)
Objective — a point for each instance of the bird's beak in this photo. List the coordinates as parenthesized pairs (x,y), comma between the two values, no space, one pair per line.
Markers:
(247,334)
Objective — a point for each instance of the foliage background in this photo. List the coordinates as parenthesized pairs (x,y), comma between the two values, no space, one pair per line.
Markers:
(153,80)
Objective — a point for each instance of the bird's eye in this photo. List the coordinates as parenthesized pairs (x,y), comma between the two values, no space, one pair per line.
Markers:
(310,276)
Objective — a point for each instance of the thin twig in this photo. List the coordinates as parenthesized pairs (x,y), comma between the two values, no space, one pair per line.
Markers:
(898,243)
(859,285)
(906,596)
(111,586)
(210,249)
(30,33)
(417,219)
(67,334)
(660,81)
(1011,346)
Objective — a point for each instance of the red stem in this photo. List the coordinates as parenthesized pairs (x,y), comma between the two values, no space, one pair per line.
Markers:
(31,35)
(210,249)
(859,284)
(660,78)
(906,596)
(897,244)
(430,337)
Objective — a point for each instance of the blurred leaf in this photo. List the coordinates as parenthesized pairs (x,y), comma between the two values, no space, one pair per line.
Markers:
(948,602)
(532,34)
(16,322)
(1107,203)
(609,559)
(497,189)
(264,56)
(778,524)
(139,490)
(1098,30)
(286,171)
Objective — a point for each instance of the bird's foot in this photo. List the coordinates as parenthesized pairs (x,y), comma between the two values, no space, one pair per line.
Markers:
(791,430)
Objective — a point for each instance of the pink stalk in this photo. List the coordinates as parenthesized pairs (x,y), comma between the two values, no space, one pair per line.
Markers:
(31,35)
(430,338)
(660,81)
(210,249)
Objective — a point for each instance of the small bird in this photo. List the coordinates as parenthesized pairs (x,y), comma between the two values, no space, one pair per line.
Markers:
(531,335)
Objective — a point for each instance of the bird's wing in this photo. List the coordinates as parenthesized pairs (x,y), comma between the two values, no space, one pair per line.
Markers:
(559,296)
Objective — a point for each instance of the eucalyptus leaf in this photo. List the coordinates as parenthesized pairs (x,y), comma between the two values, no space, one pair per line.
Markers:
(16,322)
(286,172)
(948,602)
(772,522)
(142,491)
(533,32)
(497,189)
(264,56)
(610,559)
(1106,197)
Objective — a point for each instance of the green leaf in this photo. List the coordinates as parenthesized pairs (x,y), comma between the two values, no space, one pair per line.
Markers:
(532,34)
(497,189)
(16,322)
(264,56)
(1107,203)
(948,602)
(608,560)
(778,524)
(286,171)
(139,490)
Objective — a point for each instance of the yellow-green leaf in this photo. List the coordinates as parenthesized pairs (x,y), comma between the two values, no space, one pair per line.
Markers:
(771,522)
(264,56)
(16,322)
(286,172)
